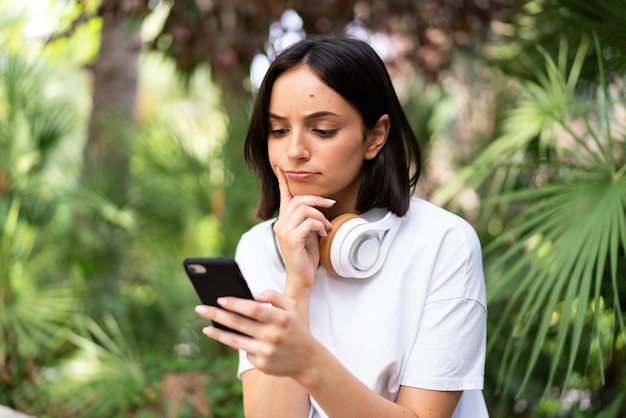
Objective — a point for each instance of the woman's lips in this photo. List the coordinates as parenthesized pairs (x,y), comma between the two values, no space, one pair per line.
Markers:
(300,175)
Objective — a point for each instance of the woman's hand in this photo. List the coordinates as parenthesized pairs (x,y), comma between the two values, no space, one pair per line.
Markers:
(279,342)
(297,229)
(280,345)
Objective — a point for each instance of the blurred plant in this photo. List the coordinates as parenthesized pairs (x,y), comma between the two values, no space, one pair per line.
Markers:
(226,392)
(545,22)
(557,177)
(612,410)
(47,258)
(36,124)
(104,376)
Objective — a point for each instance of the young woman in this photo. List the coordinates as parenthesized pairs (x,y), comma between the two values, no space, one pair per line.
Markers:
(397,328)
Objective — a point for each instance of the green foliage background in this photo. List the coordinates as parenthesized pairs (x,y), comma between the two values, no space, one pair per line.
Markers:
(548,186)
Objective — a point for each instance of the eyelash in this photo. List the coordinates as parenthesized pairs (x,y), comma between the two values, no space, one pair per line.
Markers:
(277,132)
(323,133)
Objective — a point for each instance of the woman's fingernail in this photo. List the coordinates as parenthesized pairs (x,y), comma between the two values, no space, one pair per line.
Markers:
(208,331)
(331,201)
(222,301)
(202,310)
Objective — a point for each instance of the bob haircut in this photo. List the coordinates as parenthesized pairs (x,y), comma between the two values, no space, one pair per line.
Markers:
(355,71)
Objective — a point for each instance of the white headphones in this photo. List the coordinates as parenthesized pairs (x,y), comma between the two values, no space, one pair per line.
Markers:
(354,247)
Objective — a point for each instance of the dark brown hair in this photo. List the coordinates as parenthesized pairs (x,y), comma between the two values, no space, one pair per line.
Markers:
(355,71)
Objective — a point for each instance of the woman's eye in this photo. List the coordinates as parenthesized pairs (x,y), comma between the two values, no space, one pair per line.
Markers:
(325,133)
(278,132)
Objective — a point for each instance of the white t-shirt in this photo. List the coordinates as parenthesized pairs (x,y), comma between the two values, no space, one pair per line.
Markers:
(420,321)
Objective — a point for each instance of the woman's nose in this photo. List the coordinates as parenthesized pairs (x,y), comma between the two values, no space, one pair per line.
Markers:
(297,148)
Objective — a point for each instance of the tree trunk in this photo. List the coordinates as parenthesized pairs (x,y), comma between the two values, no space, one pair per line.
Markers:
(101,241)
(115,77)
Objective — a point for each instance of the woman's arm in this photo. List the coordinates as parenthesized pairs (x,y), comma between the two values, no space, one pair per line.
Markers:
(265,395)
(340,394)
(290,364)
(270,396)
(279,344)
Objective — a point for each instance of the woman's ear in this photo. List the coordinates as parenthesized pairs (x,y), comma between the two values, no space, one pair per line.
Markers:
(377,136)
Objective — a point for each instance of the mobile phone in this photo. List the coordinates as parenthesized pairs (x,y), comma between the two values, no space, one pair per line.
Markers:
(216,277)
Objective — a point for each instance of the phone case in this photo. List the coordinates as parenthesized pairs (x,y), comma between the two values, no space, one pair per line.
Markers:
(216,277)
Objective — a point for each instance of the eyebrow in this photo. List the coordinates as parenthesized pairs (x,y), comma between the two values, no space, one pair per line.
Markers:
(313,115)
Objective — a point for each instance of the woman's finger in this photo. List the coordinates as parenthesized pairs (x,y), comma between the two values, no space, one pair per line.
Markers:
(303,217)
(301,209)
(244,315)
(264,309)
(287,199)
(239,321)
(283,187)
(276,299)
(250,317)
(235,341)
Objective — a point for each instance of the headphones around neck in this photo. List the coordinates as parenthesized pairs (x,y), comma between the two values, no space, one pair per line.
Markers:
(354,247)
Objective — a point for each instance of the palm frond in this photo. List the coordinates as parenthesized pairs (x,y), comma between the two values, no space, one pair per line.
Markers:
(542,110)
(565,246)
(105,370)
(569,235)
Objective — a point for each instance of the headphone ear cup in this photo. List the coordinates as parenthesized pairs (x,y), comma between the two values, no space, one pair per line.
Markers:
(327,241)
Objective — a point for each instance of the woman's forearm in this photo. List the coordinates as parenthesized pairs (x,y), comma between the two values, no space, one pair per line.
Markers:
(337,390)
(272,396)
(341,394)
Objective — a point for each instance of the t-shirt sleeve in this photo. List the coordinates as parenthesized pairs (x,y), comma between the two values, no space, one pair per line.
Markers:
(449,351)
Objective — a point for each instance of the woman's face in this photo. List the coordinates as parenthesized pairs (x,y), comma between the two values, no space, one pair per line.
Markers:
(318,139)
